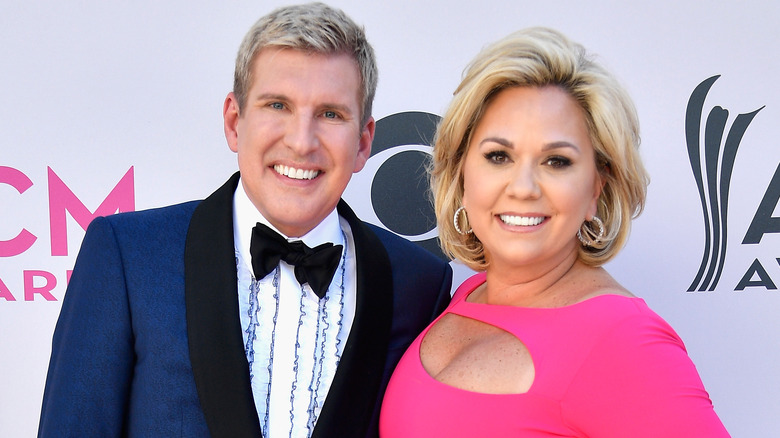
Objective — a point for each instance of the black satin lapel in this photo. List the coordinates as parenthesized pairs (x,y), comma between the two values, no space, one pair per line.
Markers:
(349,406)
(213,325)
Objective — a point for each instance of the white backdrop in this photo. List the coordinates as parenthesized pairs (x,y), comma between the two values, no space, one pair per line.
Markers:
(94,91)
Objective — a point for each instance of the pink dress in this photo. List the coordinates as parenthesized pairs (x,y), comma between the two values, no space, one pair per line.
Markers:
(605,367)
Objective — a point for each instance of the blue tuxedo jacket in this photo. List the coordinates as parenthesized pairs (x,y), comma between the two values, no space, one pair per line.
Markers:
(149,344)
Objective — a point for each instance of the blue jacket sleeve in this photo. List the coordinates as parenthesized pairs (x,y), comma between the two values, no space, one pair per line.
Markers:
(92,350)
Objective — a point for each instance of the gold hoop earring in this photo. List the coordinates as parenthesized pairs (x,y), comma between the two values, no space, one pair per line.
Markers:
(587,235)
(456,221)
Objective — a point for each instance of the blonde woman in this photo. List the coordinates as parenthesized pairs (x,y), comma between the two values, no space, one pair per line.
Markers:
(536,178)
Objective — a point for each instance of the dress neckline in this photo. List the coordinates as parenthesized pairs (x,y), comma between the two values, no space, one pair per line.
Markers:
(472,283)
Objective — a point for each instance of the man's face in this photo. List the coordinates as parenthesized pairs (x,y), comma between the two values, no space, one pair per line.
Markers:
(299,138)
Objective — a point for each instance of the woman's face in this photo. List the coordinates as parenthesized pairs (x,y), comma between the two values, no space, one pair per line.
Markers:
(530,178)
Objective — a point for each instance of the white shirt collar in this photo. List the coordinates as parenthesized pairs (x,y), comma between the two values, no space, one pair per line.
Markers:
(246,216)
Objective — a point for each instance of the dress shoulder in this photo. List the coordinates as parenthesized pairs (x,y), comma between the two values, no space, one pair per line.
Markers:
(638,380)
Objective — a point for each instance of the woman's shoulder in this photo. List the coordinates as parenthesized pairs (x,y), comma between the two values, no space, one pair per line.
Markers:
(468,286)
(625,322)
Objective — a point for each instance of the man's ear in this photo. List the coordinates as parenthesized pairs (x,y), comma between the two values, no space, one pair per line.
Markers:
(230,118)
(364,144)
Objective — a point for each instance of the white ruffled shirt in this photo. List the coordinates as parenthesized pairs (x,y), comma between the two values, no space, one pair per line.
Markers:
(293,340)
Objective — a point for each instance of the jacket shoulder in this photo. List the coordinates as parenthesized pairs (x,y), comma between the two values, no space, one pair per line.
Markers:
(399,247)
(161,218)
(151,215)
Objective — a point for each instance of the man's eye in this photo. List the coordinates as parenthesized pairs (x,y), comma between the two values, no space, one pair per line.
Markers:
(330,115)
(277,105)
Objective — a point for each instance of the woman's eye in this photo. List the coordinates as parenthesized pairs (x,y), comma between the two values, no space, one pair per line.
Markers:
(558,162)
(497,157)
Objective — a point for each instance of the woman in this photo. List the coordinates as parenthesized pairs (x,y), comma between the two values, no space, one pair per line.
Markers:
(536,178)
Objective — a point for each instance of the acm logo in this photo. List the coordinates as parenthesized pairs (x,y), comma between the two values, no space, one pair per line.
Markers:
(712,155)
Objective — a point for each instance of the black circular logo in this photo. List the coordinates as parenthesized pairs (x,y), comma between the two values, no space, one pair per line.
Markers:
(400,194)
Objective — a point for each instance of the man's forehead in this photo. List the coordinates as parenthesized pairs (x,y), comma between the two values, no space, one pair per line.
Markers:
(272,53)
(274,71)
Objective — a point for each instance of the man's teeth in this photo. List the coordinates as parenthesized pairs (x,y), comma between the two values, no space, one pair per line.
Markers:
(294,173)
(523,221)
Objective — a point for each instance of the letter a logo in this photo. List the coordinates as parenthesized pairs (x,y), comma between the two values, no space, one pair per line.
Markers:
(712,168)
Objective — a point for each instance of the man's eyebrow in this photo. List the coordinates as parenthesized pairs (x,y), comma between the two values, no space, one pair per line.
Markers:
(338,107)
(271,96)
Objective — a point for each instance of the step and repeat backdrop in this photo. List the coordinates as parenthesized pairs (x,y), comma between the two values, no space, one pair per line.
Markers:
(117,106)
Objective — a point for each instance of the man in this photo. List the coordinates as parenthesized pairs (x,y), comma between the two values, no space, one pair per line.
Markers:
(198,320)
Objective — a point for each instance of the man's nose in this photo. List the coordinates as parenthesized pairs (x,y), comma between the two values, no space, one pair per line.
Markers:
(300,134)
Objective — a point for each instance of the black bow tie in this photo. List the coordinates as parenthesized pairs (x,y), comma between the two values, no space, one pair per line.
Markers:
(315,266)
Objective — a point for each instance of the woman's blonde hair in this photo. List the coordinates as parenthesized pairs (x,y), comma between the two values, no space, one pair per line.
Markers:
(539,57)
